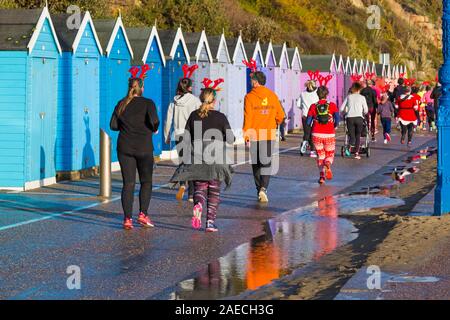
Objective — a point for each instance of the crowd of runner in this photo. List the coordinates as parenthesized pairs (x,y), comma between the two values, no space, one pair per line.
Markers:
(195,126)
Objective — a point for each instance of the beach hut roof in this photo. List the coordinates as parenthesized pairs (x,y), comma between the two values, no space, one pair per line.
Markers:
(267,51)
(107,30)
(70,38)
(253,50)
(195,42)
(280,53)
(234,45)
(169,42)
(379,69)
(323,63)
(294,54)
(141,40)
(216,45)
(20,28)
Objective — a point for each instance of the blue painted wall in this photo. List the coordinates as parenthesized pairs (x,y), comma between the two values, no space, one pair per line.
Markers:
(79,106)
(28,91)
(114,75)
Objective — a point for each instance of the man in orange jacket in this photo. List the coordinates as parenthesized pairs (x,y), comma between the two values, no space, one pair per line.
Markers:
(262,114)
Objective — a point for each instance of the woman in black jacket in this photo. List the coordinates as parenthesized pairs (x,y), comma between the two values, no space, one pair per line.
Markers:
(136,119)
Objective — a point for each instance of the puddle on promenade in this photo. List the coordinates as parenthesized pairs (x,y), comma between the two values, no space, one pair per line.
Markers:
(291,241)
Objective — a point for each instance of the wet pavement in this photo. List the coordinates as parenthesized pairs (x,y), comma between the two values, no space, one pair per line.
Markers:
(44,232)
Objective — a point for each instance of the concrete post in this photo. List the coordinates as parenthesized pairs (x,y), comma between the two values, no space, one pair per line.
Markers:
(105,165)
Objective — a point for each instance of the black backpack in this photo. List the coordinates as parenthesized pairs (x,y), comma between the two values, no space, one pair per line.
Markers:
(323,113)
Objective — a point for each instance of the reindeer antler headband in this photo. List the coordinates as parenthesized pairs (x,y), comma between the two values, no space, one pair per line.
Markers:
(210,84)
(314,76)
(251,64)
(141,77)
(356,77)
(369,75)
(323,81)
(189,71)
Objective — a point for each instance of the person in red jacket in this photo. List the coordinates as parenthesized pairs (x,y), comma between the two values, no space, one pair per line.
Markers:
(407,104)
(324,119)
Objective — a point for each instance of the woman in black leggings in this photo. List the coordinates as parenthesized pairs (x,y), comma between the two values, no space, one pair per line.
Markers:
(136,119)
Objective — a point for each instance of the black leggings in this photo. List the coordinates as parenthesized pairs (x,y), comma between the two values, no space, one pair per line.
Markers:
(409,129)
(143,162)
(355,127)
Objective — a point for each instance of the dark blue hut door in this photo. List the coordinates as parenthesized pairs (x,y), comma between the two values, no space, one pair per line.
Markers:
(43,114)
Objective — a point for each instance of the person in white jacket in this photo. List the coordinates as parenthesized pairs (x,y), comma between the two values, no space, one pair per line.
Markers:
(183,104)
(307,99)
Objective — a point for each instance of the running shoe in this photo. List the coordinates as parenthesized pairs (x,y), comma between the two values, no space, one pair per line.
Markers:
(388,137)
(357,157)
(385,141)
(191,199)
(313,154)
(348,153)
(322,180)
(304,147)
(409,143)
(328,171)
(211,226)
(180,193)
(197,216)
(145,221)
(402,141)
(128,224)
(263,196)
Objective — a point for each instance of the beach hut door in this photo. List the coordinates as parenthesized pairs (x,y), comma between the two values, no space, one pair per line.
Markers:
(43,115)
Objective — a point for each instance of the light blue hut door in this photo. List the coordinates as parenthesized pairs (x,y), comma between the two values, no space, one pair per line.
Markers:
(88,112)
(43,114)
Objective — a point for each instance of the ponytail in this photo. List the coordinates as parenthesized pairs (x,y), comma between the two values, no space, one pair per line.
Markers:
(134,89)
(207,98)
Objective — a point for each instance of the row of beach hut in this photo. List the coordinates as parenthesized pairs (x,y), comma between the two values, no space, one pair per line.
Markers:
(59,85)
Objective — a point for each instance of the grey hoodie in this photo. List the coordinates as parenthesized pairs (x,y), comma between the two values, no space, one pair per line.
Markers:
(178,114)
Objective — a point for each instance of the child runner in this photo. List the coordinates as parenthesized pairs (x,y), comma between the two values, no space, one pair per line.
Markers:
(429,108)
(324,118)
(307,98)
(207,129)
(386,111)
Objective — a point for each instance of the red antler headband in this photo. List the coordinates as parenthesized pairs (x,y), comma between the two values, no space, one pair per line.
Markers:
(323,81)
(369,75)
(251,65)
(189,71)
(314,76)
(402,75)
(135,70)
(208,82)
(356,77)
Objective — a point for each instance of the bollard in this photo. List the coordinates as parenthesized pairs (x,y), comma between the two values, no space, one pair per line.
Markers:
(105,165)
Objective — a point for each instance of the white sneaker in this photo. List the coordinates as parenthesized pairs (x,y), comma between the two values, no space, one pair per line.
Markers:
(263,196)
(385,141)
(304,147)
(313,154)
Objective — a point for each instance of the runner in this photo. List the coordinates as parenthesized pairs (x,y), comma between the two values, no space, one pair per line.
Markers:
(136,119)
(307,98)
(371,99)
(355,110)
(207,170)
(184,103)
(386,111)
(262,114)
(429,108)
(407,106)
(323,116)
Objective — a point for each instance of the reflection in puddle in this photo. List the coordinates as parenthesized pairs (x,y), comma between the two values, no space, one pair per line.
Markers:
(290,243)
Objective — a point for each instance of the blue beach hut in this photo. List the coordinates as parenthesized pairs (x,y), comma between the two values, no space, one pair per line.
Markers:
(114,66)
(271,63)
(148,50)
(237,86)
(77,146)
(29,58)
(219,69)
(176,55)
